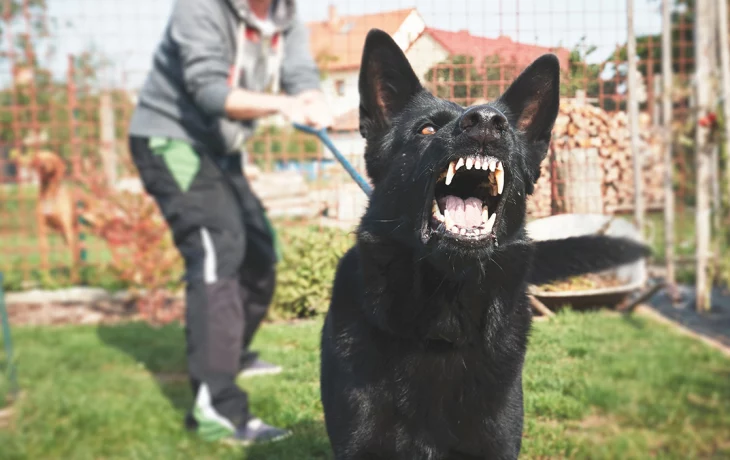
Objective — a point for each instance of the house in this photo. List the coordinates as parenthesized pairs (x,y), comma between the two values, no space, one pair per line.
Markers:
(337,45)
(429,48)
(434,46)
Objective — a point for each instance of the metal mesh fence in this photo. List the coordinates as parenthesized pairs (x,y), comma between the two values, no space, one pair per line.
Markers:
(71,71)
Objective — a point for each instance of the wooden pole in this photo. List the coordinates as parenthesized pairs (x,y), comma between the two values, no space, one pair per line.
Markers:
(667,79)
(715,145)
(108,139)
(703,55)
(633,108)
(725,71)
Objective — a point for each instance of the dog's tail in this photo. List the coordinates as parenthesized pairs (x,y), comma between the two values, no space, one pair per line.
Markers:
(560,259)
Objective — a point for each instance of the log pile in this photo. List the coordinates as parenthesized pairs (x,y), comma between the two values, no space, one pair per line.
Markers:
(582,128)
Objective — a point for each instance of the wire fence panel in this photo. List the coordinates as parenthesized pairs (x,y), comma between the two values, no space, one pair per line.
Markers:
(71,72)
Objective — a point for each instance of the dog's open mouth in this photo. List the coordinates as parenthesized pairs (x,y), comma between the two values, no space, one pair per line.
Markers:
(467,196)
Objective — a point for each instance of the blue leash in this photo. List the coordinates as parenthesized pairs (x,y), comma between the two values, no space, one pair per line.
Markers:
(325,138)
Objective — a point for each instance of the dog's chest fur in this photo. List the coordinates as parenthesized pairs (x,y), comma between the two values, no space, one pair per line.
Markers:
(433,366)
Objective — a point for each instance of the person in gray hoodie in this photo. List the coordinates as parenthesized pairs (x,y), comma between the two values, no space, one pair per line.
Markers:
(220,66)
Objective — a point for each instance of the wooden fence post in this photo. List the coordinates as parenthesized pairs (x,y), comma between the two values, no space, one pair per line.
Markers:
(633,109)
(703,55)
(722,24)
(667,79)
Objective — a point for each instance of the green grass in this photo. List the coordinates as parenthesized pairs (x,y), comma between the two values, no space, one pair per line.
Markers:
(596,386)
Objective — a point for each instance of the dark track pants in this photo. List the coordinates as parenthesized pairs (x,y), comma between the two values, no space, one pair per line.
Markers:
(220,228)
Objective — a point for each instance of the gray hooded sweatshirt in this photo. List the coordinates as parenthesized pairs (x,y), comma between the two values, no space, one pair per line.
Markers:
(204,50)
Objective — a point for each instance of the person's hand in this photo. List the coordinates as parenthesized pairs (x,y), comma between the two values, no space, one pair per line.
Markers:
(294,110)
(317,111)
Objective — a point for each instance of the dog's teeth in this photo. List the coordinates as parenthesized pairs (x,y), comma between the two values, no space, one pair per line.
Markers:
(492,164)
(450,173)
(485,164)
(448,221)
(463,231)
(477,163)
(499,174)
(459,164)
(436,211)
(485,214)
(490,222)
(469,162)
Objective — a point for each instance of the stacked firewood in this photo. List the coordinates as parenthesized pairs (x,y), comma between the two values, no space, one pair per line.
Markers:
(582,128)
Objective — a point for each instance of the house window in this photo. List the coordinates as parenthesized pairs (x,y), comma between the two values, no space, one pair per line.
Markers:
(340,87)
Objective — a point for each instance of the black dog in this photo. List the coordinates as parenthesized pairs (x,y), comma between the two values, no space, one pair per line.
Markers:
(424,342)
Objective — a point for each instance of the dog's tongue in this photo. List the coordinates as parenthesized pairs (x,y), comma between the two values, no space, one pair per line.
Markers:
(465,213)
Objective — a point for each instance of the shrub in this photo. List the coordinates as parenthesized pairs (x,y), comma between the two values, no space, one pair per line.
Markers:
(307,269)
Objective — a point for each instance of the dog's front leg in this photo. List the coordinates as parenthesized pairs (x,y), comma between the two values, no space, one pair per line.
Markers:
(42,236)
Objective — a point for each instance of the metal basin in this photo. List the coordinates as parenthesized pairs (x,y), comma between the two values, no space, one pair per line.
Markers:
(632,276)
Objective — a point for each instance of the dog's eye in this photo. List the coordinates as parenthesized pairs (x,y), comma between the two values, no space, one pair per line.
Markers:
(428,130)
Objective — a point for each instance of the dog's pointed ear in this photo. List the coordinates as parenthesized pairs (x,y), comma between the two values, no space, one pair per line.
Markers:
(532,103)
(387,82)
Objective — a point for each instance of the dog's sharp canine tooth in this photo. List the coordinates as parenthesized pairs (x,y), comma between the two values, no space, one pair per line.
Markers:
(459,164)
(469,162)
(435,209)
(490,222)
(450,173)
(492,164)
(485,214)
(448,220)
(499,174)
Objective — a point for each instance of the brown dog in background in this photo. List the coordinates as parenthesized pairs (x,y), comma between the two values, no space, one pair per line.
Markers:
(55,208)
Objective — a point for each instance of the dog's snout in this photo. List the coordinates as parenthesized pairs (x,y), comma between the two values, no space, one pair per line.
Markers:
(483,123)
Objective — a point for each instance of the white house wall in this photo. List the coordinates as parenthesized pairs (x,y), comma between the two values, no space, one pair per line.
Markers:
(351,98)
(424,53)
(409,30)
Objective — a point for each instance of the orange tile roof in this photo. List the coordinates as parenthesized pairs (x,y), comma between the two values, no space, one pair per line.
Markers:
(343,37)
(521,54)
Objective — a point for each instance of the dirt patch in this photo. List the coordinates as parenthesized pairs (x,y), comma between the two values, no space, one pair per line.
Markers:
(7,410)
(6,415)
(712,326)
(90,313)
(164,378)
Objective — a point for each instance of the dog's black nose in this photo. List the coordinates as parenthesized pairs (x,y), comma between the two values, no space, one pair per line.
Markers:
(483,123)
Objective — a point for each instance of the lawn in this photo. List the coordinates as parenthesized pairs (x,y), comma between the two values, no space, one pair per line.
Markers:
(596,386)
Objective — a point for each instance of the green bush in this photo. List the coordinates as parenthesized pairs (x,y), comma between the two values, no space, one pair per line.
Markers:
(304,278)
(306,273)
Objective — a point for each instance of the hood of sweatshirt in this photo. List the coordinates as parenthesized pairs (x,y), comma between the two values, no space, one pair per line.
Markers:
(283,12)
